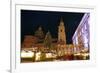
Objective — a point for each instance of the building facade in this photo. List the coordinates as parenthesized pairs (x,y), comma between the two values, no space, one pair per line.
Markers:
(81,37)
(29,41)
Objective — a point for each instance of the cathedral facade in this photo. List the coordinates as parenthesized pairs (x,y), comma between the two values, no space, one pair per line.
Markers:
(38,38)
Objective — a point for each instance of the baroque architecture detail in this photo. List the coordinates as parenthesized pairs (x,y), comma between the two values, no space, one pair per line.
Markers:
(61,32)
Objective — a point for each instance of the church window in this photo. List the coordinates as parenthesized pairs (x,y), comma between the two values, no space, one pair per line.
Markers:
(61,30)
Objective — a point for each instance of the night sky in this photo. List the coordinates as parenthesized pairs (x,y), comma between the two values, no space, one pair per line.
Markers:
(49,21)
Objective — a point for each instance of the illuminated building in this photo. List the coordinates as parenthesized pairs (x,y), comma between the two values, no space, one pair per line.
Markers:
(81,36)
(61,32)
(29,41)
(44,46)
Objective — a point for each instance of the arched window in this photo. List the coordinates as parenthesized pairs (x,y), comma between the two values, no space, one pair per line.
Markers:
(61,30)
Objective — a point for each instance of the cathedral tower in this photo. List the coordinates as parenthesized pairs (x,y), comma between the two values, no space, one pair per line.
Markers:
(61,32)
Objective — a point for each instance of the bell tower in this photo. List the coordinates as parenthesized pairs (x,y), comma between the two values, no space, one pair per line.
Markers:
(61,32)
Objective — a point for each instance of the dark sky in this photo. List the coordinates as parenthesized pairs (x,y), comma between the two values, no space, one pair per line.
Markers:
(49,20)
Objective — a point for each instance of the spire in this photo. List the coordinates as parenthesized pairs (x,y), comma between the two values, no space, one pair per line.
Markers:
(40,28)
(48,40)
(61,22)
(48,33)
(61,32)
